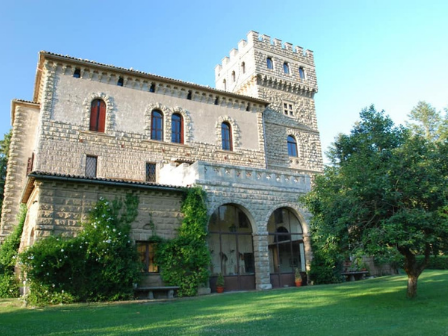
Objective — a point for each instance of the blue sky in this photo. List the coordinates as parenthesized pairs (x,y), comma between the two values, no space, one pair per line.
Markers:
(388,53)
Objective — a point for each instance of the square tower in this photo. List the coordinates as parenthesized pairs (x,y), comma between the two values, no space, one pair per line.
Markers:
(285,76)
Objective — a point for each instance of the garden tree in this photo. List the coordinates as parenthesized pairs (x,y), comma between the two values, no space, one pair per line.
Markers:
(4,152)
(426,121)
(385,189)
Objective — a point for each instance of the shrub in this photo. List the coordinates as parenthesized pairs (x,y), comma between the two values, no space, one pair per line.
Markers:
(100,264)
(9,285)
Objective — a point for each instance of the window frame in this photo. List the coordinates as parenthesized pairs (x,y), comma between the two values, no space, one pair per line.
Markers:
(87,172)
(148,257)
(269,63)
(226,136)
(150,172)
(177,136)
(292,146)
(302,73)
(156,131)
(97,115)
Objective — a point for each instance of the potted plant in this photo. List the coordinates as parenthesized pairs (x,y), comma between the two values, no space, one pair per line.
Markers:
(298,278)
(220,283)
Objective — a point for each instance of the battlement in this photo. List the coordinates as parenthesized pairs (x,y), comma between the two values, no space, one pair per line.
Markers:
(265,42)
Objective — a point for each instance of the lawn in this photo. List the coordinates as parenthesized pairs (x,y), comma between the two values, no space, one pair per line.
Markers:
(370,307)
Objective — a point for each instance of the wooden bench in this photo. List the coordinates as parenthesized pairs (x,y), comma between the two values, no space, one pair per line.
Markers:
(355,275)
(151,290)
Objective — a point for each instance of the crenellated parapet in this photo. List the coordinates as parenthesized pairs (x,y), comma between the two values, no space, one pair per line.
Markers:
(262,55)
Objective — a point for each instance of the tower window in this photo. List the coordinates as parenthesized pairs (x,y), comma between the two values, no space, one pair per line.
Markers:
(120,81)
(152,88)
(288,108)
(217,101)
(301,73)
(224,85)
(233,76)
(269,63)
(292,146)
(286,68)
(91,165)
(189,95)
(243,67)
(177,134)
(151,172)
(226,136)
(77,73)
(97,115)
(156,125)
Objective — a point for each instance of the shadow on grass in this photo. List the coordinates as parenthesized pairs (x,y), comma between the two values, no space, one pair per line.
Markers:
(376,306)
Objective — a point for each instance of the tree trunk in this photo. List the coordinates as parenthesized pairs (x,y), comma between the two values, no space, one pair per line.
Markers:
(412,286)
(413,269)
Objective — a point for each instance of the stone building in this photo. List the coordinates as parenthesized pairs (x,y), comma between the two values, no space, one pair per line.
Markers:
(95,130)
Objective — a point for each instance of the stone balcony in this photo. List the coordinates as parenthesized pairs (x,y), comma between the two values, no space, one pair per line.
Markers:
(204,173)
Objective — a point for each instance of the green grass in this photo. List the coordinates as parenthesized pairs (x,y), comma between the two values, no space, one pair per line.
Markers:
(370,307)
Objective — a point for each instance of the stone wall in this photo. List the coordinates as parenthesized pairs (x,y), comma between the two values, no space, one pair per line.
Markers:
(125,146)
(21,149)
(60,206)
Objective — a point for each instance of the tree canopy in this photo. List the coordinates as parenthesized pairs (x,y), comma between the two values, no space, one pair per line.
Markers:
(386,189)
(427,122)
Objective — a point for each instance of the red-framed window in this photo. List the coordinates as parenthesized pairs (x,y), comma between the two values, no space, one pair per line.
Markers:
(98,115)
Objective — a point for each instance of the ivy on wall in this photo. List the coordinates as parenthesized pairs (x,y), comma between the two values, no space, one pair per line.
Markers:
(184,261)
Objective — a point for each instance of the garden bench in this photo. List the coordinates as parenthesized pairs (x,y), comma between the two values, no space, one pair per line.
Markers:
(355,275)
(151,290)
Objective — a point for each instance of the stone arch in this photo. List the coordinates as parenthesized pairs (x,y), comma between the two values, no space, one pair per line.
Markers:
(188,126)
(244,208)
(110,108)
(166,111)
(299,212)
(236,132)
(231,244)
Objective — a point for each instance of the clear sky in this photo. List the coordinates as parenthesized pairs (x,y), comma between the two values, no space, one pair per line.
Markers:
(390,53)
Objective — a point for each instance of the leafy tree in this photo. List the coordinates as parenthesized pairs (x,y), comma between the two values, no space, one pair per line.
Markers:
(4,152)
(385,189)
(427,122)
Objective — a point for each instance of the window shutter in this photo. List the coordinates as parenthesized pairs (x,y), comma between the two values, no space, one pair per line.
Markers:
(102,117)
(93,115)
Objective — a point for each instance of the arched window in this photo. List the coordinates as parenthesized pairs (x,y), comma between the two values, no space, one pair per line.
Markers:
(156,125)
(177,130)
(301,73)
(269,63)
(292,146)
(233,76)
(286,68)
(97,115)
(224,86)
(286,247)
(226,136)
(243,67)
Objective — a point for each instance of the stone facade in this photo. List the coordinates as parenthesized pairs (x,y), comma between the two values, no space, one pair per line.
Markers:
(256,178)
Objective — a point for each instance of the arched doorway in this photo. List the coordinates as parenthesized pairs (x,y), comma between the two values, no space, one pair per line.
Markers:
(286,250)
(231,249)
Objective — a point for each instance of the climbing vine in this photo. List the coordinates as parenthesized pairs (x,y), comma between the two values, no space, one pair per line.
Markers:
(185,260)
